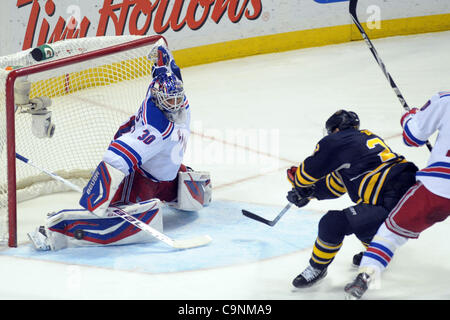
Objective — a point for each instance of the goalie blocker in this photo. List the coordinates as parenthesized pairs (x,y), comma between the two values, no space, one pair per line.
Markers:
(190,191)
(194,190)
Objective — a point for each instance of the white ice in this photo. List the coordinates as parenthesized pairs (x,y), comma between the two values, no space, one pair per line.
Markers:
(285,99)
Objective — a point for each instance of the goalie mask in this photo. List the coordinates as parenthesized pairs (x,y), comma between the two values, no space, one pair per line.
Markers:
(342,120)
(168,92)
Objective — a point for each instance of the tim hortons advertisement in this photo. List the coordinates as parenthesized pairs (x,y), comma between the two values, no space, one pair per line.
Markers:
(187,23)
(47,21)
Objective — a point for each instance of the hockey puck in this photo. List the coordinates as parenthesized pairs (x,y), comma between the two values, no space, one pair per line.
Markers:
(79,234)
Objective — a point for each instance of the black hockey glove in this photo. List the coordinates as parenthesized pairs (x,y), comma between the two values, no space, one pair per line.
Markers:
(300,196)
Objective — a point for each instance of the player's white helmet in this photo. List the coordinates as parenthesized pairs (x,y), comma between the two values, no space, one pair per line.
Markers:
(168,92)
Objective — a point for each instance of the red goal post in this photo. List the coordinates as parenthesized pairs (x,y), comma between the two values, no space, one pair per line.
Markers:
(94,82)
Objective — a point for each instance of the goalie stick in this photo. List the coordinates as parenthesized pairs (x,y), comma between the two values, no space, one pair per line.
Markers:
(352,10)
(54,176)
(178,244)
(271,223)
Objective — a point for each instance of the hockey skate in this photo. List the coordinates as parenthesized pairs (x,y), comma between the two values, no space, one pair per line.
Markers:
(356,289)
(39,239)
(309,277)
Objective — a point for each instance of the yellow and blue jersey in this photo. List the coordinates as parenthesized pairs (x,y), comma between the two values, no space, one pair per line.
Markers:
(357,162)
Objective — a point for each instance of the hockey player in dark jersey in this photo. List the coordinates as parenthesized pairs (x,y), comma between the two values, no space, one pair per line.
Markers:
(356,162)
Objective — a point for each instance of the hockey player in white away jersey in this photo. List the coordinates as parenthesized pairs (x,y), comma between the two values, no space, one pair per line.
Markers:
(141,168)
(425,203)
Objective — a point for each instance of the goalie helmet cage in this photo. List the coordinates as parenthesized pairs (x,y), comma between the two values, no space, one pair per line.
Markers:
(95,85)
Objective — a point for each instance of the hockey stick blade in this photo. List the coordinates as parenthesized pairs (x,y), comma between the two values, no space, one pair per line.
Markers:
(178,244)
(254,216)
(192,242)
(271,223)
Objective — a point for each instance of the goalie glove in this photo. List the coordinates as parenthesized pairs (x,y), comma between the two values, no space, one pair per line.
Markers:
(163,61)
(300,196)
(160,56)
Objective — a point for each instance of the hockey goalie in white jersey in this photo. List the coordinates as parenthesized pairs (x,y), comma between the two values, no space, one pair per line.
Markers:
(141,169)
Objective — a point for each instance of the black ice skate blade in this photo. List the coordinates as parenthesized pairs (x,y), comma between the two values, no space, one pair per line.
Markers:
(312,285)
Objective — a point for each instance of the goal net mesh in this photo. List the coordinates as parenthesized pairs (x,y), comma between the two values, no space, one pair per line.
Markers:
(89,101)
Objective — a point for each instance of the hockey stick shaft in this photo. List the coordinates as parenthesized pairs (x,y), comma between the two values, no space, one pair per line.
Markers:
(352,10)
(51,174)
(271,223)
(179,244)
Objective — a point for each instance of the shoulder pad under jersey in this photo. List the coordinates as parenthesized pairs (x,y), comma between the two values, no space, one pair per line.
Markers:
(154,117)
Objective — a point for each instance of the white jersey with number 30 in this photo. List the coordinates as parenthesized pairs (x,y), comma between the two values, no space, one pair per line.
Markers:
(433,116)
(149,143)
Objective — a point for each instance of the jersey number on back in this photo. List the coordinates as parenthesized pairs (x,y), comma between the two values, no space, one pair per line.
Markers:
(384,155)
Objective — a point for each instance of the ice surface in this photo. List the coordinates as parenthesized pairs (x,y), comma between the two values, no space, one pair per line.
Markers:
(253,118)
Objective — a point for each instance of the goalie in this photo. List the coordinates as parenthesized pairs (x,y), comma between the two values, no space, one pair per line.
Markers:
(141,169)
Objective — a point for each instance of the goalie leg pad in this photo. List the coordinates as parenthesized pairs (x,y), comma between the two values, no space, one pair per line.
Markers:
(79,228)
(194,190)
(101,188)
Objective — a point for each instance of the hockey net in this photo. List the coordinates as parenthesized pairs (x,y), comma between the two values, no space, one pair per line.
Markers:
(94,84)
